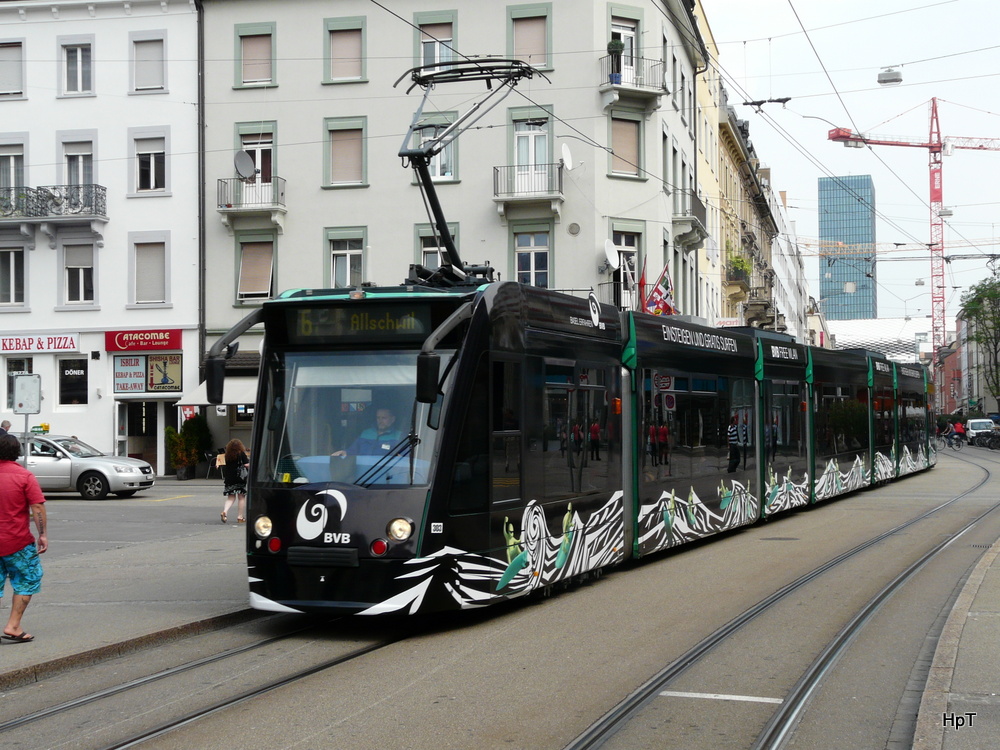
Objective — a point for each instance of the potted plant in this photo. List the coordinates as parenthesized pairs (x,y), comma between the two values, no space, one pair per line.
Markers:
(739,267)
(182,457)
(187,445)
(615,49)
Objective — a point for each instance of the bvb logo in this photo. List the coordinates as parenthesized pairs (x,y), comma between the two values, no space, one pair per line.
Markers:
(595,309)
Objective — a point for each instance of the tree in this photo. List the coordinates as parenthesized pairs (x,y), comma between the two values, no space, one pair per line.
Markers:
(981,311)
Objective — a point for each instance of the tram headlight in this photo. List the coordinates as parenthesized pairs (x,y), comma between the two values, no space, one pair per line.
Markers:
(262,527)
(399,529)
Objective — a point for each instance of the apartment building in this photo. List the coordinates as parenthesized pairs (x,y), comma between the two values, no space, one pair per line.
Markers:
(594,148)
(99,205)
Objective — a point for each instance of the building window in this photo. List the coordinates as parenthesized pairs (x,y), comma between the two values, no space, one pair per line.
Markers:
(150,164)
(15,367)
(436,43)
(443,164)
(429,252)
(79,269)
(78,73)
(345,151)
(531,251)
(626,295)
(148,70)
(256,265)
(529,29)
(79,163)
(255,54)
(72,381)
(150,273)
(11,69)
(625,146)
(345,50)
(12,199)
(12,276)
(346,262)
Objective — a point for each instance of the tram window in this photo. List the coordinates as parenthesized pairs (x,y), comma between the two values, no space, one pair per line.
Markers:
(506,443)
(681,384)
(471,480)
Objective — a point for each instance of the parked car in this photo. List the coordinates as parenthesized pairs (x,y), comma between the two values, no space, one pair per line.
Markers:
(62,463)
(976,427)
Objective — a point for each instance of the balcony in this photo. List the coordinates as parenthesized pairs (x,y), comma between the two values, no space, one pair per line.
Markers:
(525,184)
(689,219)
(633,77)
(238,197)
(46,206)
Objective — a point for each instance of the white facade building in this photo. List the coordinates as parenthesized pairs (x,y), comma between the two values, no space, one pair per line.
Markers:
(306,91)
(99,206)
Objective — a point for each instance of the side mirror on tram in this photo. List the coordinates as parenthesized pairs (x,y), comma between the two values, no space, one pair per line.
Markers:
(428,375)
(215,377)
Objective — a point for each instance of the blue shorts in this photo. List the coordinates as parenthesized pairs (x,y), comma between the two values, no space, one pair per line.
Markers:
(24,570)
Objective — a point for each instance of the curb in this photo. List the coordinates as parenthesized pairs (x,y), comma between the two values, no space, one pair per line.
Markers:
(929,733)
(26,675)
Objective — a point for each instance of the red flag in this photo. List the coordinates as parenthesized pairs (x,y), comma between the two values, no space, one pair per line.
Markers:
(642,286)
(661,299)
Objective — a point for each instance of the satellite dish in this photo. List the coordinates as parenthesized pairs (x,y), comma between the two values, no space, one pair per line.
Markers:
(611,252)
(244,164)
(567,158)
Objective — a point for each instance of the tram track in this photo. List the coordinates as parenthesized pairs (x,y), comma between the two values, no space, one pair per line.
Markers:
(231,672)
(791,707)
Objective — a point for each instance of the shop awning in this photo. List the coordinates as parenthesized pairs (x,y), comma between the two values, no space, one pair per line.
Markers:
(237,390)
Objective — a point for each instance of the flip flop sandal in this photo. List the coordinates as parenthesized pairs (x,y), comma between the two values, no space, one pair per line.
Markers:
(222,515)
(22,638)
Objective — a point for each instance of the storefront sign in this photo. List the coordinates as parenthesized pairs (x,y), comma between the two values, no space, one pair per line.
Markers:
(163,372)
(66,342)
(130,374)
(130,341)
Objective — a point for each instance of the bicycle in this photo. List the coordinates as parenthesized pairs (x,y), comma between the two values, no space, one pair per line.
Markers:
(953,442)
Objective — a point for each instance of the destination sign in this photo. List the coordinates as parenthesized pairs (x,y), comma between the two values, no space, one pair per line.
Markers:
(362,321)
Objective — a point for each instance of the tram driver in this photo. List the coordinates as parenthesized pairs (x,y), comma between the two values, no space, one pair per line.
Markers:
(377,440)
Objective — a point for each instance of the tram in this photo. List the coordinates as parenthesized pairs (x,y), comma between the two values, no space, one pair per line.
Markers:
(457,441)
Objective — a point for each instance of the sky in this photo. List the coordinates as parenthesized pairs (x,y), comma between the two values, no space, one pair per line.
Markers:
(827,56)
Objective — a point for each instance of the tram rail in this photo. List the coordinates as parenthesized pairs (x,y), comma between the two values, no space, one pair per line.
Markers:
(790,708)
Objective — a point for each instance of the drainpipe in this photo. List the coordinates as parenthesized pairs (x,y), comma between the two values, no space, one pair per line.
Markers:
(201,187)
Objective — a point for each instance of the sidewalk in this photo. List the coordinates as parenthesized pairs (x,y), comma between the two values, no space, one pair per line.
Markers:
(960,709)
(109,602)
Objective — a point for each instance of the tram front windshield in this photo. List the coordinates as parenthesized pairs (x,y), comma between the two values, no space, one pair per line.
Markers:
(344,417)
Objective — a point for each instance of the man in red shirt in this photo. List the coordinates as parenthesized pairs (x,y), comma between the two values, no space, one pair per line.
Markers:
(21,499)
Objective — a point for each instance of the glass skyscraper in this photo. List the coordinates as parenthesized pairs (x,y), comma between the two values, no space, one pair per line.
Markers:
(847,247)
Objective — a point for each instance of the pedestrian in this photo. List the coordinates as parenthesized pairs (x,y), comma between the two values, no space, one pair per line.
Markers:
(4,427)
(651,445)
(234,477)
(733,436)
(663,435)
(21,501)
(595,441)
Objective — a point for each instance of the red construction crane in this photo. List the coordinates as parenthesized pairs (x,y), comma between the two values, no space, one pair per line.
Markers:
(937,146)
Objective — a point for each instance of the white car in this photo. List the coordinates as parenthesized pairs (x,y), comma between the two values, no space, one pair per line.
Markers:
(977,427)
(62,463)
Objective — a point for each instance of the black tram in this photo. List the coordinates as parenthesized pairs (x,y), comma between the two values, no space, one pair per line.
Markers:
(458,441)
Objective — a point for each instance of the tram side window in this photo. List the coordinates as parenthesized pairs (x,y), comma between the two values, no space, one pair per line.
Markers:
(884,428)
(506,448)
(471,482)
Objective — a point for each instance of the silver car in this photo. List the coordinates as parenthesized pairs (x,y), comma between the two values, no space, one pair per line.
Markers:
(62,463)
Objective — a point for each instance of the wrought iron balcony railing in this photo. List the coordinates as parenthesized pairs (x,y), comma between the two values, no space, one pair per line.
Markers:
(49,201)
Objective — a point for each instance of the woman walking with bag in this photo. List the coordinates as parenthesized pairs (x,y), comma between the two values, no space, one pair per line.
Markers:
(234,477)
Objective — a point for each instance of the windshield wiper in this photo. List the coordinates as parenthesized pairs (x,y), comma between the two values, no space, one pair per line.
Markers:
(367,479)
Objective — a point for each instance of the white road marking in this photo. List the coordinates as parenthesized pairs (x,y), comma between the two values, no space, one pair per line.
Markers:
(720,697)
